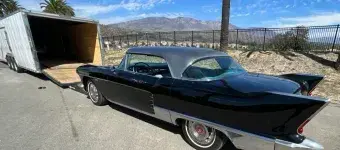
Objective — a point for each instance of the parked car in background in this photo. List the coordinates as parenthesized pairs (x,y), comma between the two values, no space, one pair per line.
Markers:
(210,96)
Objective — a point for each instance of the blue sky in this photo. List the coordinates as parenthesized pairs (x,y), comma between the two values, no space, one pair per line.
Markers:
(244,13)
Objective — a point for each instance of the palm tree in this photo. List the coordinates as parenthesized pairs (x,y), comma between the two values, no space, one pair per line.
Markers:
(8,6)
(225,24)
(57,7)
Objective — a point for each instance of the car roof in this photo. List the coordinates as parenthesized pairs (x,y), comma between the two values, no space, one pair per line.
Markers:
(178,58)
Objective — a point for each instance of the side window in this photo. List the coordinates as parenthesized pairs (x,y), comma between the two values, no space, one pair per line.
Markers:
(121,66)
(148,64)
(202,69)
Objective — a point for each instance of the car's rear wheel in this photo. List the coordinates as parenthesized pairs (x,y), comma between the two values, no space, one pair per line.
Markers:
(96,97)
(201,136)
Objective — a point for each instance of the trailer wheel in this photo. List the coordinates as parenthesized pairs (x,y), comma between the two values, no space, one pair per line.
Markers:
(16,67)
(9,63)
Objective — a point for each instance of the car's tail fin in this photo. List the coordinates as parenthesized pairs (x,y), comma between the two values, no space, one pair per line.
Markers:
(308,82)
(300,110)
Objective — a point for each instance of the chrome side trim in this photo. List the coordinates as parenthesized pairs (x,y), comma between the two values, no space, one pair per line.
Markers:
(240,139)
(160,113)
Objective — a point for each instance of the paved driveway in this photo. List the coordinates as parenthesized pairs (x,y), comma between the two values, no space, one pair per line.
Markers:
(55,118)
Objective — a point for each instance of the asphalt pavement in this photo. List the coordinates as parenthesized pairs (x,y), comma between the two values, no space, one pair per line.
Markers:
(37,114)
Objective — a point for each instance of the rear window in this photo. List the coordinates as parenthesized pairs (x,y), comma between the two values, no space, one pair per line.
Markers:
(213,68)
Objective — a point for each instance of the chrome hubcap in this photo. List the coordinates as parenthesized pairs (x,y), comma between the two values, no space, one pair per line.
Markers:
(93,92)
(201,135)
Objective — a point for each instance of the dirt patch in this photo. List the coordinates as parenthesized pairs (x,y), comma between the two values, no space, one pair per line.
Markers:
(273,63)
(113,57)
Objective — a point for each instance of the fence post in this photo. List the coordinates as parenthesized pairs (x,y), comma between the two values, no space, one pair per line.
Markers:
(113,41)
(175,37)
(336,33)
(127,38)
(264,39)
(192,38)
(147,39)
(236,38)
(160,40)
(296,40)
(120,41)
(213,39)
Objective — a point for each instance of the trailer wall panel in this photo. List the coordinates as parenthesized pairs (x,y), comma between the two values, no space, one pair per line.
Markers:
(86,42)
(19,41)
(4,46)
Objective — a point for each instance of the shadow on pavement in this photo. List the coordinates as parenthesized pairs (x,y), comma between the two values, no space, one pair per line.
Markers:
(161,124)
(37,75)
(3,64)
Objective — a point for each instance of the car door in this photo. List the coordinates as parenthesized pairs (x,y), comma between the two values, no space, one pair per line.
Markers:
(131,88)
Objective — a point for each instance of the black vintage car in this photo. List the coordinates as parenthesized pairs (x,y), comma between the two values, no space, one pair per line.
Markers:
(210,96)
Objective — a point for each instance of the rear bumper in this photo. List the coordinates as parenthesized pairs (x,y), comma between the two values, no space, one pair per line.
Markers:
(254,142)
(307,144)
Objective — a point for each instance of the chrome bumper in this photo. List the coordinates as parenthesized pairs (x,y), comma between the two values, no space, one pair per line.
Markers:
(254,142)
(306,144)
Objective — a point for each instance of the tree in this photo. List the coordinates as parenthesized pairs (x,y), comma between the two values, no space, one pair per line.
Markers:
(294,39)
(8,6)
(225,24)
(57,7)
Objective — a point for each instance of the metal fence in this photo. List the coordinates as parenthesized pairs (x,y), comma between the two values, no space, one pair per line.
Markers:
(314,38)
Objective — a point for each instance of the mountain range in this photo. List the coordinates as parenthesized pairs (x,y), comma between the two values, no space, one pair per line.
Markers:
(156,24)
(163,24)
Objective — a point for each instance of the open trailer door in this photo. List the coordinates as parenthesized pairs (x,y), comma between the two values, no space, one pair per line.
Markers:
(63,44)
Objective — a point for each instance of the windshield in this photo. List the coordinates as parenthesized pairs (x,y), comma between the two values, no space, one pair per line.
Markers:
(213,68)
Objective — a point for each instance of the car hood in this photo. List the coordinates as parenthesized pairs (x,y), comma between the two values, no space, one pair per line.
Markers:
(253,82)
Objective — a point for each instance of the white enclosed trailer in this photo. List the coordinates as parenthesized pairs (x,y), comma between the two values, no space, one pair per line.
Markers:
(51,44)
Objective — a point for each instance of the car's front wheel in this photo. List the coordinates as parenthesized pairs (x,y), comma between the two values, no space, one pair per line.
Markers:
(96,97)
(201,136)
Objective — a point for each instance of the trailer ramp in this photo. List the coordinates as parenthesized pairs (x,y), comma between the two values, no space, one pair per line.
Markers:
(62,73)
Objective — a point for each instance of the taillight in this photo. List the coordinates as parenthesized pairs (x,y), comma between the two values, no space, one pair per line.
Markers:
(310,92)
(300,129)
